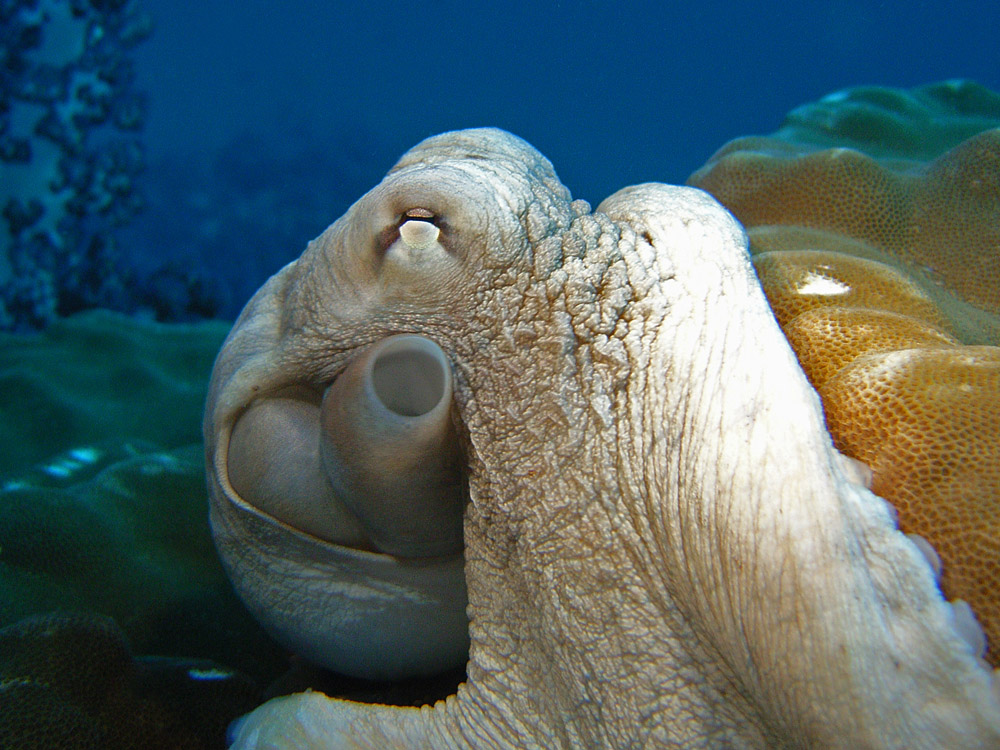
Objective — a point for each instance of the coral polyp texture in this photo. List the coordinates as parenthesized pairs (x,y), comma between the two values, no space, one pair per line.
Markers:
(69,154)
(874,221)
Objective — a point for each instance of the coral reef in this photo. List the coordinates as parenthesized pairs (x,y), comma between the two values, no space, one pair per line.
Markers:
(69,681)
(874,220)
(69,154)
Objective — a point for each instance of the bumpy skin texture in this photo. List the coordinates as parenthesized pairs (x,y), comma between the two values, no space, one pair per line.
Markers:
(874,220)
(662,546)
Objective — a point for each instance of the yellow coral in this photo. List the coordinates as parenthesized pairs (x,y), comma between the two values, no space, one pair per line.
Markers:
(883,270)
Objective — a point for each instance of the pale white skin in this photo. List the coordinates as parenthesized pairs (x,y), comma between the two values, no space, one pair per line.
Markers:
(662,547)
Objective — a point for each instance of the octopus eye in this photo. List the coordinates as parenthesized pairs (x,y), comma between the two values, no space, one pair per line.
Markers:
(420,213)
(420,227)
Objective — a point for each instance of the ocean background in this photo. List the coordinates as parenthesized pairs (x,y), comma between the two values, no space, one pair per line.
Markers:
(266,119)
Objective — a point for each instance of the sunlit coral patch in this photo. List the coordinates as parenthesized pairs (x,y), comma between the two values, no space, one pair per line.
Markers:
(874,221)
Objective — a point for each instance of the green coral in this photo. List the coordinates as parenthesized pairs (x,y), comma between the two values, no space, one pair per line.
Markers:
(914,124)
(101,376)
(103,506)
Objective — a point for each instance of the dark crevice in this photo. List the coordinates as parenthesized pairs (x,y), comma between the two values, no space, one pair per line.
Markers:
(416,691)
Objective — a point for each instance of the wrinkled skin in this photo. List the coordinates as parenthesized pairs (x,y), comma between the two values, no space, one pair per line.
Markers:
(662,547)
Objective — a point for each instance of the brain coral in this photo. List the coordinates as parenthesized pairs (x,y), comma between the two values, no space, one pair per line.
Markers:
(874,220)
(69,682)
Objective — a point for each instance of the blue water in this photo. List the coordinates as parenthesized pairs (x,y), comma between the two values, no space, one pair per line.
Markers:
(612,92)
(267,119)
(259,122)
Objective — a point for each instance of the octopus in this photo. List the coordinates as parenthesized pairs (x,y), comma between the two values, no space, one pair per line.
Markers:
(480,424)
